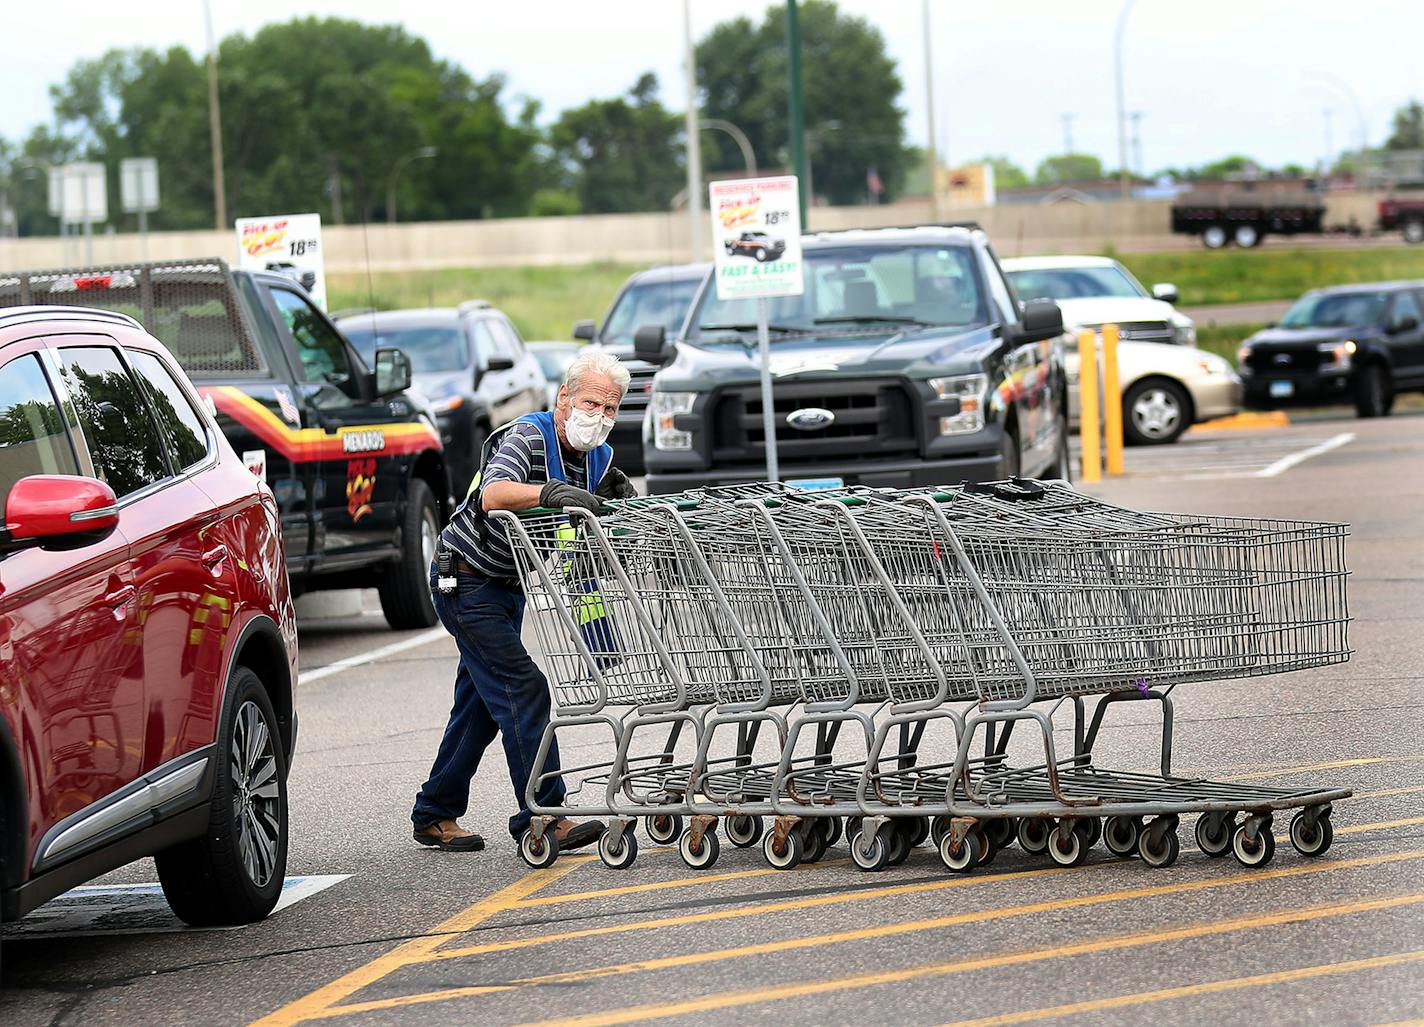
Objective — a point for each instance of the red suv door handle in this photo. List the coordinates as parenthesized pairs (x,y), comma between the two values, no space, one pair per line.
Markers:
(214,556)
(119,596)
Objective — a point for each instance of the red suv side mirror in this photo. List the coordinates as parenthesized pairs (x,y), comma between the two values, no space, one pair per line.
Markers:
(52,506)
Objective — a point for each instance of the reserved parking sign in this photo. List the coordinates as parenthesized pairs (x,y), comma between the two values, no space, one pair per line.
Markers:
(756,235)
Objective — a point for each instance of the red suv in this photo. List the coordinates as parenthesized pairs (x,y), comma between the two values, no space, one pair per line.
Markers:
(148,648)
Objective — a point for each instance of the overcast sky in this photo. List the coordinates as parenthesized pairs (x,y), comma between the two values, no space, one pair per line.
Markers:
(1211,77)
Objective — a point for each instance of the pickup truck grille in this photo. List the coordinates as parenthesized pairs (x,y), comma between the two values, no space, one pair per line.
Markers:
(1284,359)
(639,386)
(1145,331)
(874,419)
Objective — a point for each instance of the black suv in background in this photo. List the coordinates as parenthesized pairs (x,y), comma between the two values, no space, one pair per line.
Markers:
(468,361)
(658,296)
(354,461)
(907,361)
(1355,344)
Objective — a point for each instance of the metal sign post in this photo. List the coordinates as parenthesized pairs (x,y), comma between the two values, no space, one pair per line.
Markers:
(83,199)
(756,239)
(138,192)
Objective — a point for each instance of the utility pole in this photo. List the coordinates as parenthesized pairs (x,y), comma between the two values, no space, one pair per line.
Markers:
(1136,117)
(1124,179)
(215,125)
(929,111)
(694,142)
(1067,132)
(1329,142)
(797,114)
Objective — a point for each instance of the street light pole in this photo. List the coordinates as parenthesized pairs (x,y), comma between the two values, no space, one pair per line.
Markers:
(929,110)
(1123,182)
(215,125)
(421,154)
(738,136)
(795,111)
(694,142)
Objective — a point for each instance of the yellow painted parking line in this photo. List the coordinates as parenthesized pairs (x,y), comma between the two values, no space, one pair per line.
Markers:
(840,937)
(1247,420)
(681,882)
(753,996)
(1382,825)
(319,1002)
(1407,790)
(1363,761)
(1141,998)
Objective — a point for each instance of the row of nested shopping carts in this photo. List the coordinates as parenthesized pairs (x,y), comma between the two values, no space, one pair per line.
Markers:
(784,666)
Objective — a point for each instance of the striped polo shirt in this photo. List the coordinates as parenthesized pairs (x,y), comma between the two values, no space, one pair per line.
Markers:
(482,541)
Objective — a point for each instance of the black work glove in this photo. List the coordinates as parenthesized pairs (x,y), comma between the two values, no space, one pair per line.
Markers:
(615,485)
(557,494)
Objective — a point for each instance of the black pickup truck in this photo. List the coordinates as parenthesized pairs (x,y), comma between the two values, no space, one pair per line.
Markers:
(355,462)
(907,361)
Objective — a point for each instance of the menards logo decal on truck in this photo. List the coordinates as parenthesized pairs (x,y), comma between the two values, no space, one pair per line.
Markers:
(302,444)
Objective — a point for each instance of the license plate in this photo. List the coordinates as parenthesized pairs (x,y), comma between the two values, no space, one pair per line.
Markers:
(1280,390)
(816,484)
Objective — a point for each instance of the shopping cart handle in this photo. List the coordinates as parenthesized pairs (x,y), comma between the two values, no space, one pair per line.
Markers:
(615,504)
(1020,488)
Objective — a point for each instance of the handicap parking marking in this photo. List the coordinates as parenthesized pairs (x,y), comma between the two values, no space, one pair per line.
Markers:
(113,909)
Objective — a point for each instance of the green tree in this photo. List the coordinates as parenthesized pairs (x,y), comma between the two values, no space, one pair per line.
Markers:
(1007,174)
(851,90)
(1236,164)
(621,154)
(1068,167)
(1408,131)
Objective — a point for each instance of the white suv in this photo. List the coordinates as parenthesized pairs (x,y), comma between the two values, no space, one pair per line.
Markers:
(1167,383)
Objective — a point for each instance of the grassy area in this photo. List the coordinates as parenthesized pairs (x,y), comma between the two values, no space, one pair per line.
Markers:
(1242,276)
(1224,339)
(545,301)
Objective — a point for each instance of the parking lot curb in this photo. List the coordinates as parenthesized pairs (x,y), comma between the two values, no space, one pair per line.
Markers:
(1247,420)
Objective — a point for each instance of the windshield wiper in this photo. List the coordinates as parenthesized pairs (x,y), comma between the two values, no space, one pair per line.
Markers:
(872,319)
(780,329)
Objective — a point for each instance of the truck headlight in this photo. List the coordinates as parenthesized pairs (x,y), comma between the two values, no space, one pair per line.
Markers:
(664,408)
(969,389)
(1337,353)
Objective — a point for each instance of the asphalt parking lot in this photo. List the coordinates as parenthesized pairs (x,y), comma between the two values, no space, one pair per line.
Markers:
(383,932)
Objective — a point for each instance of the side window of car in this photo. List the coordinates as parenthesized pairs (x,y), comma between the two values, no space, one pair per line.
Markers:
(1003,296)
(507,339)
(32,435)
(1405,306)
(182,428)
(321,351)
(485,345)
(123,439)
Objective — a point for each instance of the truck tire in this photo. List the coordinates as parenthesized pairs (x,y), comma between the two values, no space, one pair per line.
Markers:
(405,588)
(1414,231)
(1215,237)
(1374,393)
(233,874)
(1247,236)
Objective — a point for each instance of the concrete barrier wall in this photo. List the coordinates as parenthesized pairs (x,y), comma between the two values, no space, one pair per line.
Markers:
(1137,225)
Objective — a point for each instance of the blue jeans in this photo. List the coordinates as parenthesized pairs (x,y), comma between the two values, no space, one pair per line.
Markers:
(498,690)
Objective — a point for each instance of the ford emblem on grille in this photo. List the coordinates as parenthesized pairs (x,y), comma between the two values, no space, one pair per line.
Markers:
(1282,358)
(810,418)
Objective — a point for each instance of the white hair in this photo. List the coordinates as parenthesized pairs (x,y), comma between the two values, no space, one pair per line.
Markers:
(596,361)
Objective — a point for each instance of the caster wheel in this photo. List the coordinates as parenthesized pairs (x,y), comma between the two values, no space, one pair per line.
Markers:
(870,854)
(1001,831)
(1070,851)
(1033,835)
(968,855)
(991,848)
(939,827)
(704,855)
(1164,853)
(1311,839)
(1255,853)
(784,856)
(831,828)
(900,845)
(663,828)
(919,831)
(1091,828)
(743,831)
(541,852)
(1120,835)
(622,857)
(1214,831)
(813,843)
(852,825)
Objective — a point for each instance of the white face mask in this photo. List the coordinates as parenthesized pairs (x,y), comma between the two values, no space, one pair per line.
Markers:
(587,430)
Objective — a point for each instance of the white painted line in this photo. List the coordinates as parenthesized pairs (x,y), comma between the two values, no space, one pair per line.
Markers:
(1285,463)
(360,659)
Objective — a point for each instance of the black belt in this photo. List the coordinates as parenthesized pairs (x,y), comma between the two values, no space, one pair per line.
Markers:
(466,568)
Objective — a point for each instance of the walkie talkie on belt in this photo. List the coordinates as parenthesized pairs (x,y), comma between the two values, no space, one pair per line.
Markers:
(445,579)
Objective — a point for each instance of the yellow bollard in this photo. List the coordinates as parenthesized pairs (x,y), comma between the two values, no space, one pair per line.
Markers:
(1112,402)
(1088,404)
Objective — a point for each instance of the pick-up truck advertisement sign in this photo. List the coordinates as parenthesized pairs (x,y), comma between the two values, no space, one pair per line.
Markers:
(289,244)
(756,236)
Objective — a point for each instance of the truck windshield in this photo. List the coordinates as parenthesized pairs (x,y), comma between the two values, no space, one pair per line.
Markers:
(1069,283)
(862,289)
(649,303)
(430,347)
(1335,310)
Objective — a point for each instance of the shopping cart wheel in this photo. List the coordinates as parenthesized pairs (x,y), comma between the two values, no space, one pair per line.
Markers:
(1033,835)
(991,847)
(900,845)
(919,831)
(1214,832)
(1091,828)
(784,855)
(831,827)
(964,857)
(1001,831)
(813,842)
(870,853)
(1255,852)
(742,830)
(703,855)
(1159,848)
(852,825)
(1120,835)
(622,857)
(1311,833)
(1067,848)
(538,852)
(663,828)
(939,827)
